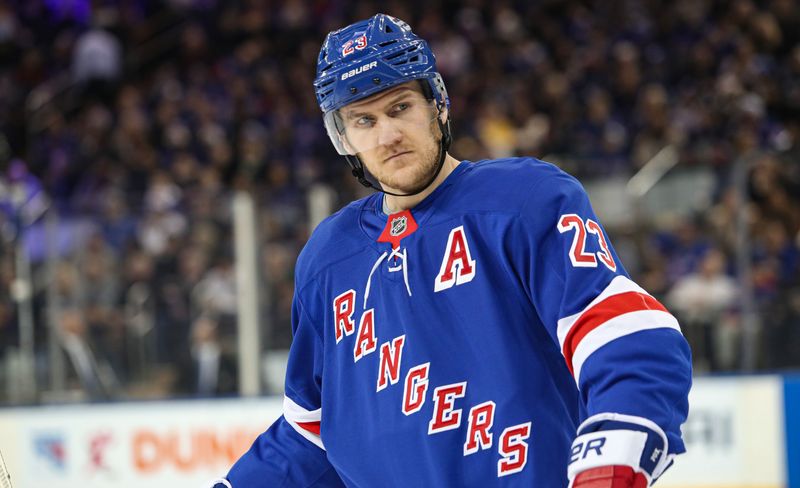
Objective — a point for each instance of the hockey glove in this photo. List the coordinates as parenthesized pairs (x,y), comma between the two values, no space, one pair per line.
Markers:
(610,477)
(617,451)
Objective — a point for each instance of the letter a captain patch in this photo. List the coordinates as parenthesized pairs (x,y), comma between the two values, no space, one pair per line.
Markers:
(458,267)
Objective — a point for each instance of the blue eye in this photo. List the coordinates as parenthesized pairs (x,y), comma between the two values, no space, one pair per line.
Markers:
(365,122)
(400,107)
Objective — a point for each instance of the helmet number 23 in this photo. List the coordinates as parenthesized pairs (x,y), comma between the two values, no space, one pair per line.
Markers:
(350,46)
(577,254)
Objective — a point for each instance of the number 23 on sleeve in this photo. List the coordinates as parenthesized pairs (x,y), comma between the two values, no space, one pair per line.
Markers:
(578,254)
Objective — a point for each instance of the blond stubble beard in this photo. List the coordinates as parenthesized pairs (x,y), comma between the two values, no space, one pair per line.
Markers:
(422,172)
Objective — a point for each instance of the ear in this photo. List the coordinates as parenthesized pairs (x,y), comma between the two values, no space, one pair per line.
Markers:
(444,111)
(444,114)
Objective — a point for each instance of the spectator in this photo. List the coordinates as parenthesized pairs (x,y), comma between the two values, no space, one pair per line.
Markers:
(210,369)
(97,57)
(95,377)
(701,300)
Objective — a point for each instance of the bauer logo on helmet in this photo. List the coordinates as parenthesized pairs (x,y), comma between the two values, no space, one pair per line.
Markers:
(360,69)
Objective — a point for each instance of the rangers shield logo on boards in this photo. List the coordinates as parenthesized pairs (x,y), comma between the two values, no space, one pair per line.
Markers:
(50,452)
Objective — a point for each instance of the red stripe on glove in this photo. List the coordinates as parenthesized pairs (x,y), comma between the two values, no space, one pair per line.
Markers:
(610,477)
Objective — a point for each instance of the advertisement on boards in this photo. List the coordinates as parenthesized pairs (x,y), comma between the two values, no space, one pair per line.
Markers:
(130,445)
(734,435)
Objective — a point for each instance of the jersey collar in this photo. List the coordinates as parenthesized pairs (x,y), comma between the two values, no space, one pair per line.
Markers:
(374,219)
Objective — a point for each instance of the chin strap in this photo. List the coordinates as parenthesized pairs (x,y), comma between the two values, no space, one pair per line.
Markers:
(357,167)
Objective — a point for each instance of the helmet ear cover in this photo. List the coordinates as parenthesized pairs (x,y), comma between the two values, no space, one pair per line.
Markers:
(443,106)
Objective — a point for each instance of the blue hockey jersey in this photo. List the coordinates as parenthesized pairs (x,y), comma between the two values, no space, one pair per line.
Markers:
(463,342)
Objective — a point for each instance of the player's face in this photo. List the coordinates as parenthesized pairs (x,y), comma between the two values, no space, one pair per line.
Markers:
(396,136)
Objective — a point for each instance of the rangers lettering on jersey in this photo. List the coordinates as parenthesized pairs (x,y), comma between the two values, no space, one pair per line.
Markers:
(514,449)
(446,415)
(416,386)
(365,339)
(481,419)
(391,354)
(343,308)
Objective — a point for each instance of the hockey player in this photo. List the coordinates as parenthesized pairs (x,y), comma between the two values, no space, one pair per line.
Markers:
(470,324)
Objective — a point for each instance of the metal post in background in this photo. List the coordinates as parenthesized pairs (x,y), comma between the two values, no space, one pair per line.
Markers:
(22,193)
(55,355)
(139,312)
(320,204)
(248,334)
(653,171)
(23,295)
(744,270)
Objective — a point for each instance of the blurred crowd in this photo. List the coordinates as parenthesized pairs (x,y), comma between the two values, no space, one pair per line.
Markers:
(133,122)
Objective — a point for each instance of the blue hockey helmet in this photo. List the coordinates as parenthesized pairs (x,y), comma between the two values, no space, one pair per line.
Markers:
(368,57)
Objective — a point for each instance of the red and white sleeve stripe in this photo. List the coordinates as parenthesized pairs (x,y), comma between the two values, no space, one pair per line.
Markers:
(305,422)
(621,309)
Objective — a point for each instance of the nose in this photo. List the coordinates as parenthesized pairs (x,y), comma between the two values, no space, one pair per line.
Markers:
(388,132)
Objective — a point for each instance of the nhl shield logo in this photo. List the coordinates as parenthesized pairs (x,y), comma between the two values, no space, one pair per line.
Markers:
(399,225)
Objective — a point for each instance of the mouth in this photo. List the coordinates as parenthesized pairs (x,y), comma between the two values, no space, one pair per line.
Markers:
(393,156)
